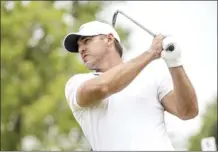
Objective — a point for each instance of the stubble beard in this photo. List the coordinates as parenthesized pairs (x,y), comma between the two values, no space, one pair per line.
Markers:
(95,65)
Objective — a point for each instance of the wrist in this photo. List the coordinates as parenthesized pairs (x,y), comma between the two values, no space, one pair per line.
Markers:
(174,63)
(152,55)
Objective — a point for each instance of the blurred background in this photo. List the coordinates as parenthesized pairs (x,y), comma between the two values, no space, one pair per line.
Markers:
(35,67)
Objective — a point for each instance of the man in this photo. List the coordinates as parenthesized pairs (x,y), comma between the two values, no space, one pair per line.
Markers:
(120,105)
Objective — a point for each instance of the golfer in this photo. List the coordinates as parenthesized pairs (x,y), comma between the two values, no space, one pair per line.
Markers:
(120,105)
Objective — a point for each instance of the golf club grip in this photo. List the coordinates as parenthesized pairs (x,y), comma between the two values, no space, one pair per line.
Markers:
(170,48)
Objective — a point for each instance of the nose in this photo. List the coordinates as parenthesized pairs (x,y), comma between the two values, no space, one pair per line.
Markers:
(81,48)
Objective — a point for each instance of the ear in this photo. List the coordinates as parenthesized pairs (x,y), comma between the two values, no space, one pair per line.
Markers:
(110,38)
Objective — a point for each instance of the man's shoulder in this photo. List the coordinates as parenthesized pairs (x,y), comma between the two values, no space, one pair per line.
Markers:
(158,63)
(79,77)
(75,80)
(155,67)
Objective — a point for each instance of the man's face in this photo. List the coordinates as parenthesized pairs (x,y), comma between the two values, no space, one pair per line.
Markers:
(92,50)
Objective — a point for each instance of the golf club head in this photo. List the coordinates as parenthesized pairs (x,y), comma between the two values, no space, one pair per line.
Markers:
(114,19)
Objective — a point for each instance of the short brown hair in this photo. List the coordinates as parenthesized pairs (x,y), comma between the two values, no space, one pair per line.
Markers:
(118,47)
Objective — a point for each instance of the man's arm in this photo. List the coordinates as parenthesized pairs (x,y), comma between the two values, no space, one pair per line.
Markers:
(111,81)
(117,78)
(182,101)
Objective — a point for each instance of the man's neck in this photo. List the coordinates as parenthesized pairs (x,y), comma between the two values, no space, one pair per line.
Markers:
(109,63)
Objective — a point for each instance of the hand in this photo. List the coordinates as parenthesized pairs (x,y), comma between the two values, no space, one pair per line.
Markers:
(157,47)
(172,58)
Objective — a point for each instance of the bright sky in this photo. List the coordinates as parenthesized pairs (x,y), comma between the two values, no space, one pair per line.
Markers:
(194,24)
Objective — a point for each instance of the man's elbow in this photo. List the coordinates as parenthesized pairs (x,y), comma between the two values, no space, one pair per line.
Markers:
(190,113)
(89,95)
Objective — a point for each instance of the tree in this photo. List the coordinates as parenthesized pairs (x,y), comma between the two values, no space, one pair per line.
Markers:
(208,128)
(35,68)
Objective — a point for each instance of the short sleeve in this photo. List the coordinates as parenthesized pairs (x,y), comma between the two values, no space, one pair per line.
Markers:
(164,79)
(71,89)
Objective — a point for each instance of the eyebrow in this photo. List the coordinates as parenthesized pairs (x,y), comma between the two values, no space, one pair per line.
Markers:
(84,37)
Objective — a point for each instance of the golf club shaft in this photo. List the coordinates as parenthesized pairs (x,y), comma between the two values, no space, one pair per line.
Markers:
(169,48)
(147,30)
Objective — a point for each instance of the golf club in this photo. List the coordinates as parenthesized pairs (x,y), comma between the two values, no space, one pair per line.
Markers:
(169,48)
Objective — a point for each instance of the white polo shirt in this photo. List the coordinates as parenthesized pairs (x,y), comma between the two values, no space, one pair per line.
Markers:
(132,119)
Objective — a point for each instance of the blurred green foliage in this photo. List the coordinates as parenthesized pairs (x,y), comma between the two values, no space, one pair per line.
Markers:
(208,128)
(35,69)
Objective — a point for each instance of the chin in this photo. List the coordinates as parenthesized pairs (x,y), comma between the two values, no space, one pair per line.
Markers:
(90,66)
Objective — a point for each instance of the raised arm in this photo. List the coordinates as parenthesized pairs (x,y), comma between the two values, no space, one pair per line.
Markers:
(182,101)
(117,78)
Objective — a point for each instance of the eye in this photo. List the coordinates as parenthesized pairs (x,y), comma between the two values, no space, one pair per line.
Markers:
(87,40)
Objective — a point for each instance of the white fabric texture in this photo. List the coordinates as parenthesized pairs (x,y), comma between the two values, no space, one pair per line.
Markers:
(132,119)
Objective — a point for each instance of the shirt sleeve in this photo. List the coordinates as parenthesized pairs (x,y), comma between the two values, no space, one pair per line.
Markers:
(165,83)
(71,89)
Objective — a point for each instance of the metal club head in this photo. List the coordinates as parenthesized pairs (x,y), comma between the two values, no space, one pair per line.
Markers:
(114,19)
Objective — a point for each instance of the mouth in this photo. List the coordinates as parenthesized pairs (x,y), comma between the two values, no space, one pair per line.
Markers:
(84,57)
